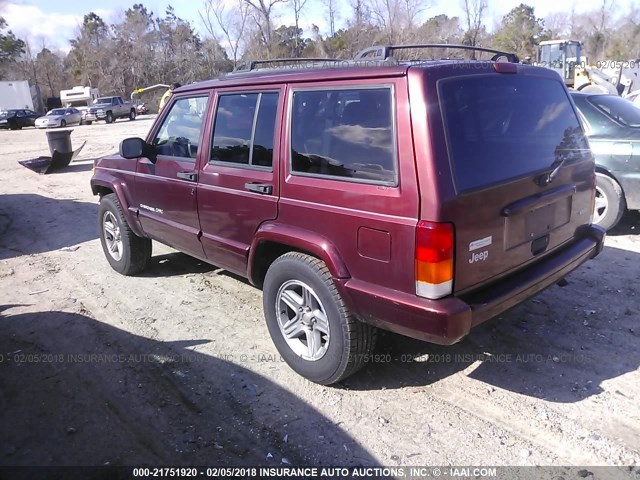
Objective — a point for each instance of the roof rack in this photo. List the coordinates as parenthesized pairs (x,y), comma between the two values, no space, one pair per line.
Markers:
(253,64)
(384,52)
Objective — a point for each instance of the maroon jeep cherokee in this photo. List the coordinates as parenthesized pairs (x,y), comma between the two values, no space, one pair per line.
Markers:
(422,198)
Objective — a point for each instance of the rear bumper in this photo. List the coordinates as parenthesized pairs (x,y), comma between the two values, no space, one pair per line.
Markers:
(447,320)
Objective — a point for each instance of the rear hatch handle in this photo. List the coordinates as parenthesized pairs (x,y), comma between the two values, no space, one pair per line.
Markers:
(535,201)
(262,188)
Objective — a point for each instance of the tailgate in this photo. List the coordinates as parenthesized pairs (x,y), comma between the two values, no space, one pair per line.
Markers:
(505,135)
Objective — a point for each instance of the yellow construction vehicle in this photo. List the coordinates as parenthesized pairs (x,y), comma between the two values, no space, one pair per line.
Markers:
(612,77)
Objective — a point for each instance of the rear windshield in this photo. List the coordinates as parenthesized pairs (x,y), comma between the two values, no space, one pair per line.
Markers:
(620,109)
(504,126)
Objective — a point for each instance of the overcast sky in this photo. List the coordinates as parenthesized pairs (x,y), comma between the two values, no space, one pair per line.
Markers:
(56,22)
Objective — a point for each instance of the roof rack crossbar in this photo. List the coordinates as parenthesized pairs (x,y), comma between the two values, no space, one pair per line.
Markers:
(383,52)
(253,64)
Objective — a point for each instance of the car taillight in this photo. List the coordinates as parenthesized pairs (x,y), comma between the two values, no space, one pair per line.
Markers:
(434,259)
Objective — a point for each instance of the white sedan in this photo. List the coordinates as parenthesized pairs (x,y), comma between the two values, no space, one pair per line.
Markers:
(59,117)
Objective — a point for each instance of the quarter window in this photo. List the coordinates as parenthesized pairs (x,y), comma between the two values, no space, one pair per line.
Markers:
(345,133)
(245,128)
(179,134)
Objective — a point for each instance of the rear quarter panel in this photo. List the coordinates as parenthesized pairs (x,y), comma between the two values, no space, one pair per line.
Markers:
(372,226)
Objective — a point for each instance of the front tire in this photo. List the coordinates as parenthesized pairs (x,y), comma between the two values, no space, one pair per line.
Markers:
(610,203)
(63,124)
(309,322)
(126,252)
(109,117)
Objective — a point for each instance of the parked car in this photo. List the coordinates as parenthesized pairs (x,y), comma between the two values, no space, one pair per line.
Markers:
(141,109)
(15,119)
(422,198)
(612,125)
(59,117)
(109,109)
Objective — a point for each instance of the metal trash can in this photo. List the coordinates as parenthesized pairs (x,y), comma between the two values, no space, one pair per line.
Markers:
(60,140)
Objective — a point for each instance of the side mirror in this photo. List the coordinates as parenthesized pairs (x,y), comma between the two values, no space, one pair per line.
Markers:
(136,147)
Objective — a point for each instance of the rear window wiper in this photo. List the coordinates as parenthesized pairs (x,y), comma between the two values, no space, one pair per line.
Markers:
(546,178)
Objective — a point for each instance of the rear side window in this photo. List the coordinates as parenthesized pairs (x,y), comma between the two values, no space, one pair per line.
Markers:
(344,133)
(618,108)
(504,126)
(245,128)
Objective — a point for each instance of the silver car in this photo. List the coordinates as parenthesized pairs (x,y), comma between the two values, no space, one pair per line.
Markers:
(59,117)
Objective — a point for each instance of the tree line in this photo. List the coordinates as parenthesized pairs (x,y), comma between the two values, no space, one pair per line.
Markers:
(142,48)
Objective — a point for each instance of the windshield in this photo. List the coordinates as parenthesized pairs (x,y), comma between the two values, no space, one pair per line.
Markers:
(505,126)
(551,55)
(620,109)
(56,111)
(7,113)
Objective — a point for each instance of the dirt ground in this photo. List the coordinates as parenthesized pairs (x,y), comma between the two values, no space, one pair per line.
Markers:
(176,367)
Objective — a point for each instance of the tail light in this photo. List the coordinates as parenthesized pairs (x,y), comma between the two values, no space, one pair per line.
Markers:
(434,259)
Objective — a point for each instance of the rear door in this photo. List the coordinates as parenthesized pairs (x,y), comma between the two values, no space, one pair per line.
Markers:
(506,134)
(166,190)
(238,187)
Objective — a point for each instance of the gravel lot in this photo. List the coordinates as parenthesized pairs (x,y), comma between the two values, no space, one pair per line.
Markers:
(177,364)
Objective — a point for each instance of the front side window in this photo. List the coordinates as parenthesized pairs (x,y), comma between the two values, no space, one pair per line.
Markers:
(245,128)
(344,133)
(179,134)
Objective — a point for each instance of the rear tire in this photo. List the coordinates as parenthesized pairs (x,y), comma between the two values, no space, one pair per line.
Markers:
(132,114)
(610,202)
(126,252)
(323,341)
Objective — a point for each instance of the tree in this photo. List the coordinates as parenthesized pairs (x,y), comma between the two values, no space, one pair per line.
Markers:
(11,48)
(594,29)
(440,29)
(474,11)
(395,18)
(558,24)
(520,31)
(262,15)
(625,40)
(331,6)
(230,18)
(89,52)
(51,72)
(297,6)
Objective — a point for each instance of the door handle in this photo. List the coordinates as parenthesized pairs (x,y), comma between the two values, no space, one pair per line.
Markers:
(262,188)
(188,175)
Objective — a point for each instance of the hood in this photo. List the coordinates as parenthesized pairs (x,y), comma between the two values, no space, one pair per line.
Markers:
(50,117)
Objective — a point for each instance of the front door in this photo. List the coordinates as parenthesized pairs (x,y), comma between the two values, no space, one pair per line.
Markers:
(166,191)
(238,187)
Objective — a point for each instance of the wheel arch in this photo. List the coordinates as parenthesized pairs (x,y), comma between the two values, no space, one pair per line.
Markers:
(272,241)
(604,171)
(104,184)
